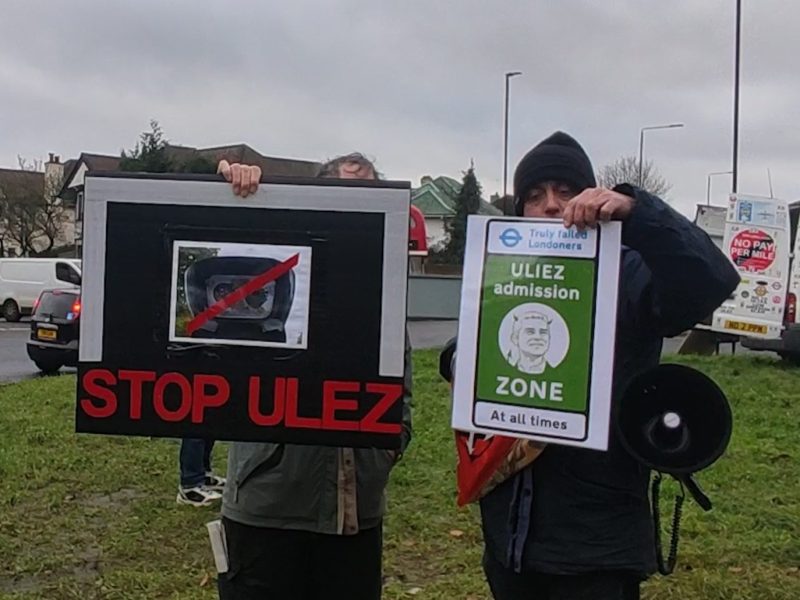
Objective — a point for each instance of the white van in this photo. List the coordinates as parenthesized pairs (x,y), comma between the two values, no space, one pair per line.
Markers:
(711,219)
(788,345)
(23,279)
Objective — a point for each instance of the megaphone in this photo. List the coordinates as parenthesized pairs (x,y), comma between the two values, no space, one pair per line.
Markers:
(674,420)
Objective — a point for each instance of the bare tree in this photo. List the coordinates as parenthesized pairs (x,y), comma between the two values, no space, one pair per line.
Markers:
(626,170)
(34,166)
(20,196)
(32,218)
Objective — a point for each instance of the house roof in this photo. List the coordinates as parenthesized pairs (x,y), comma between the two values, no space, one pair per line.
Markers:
(69,165)
(100,162)
(16,184)
(437,198)
(241,153)
(270,165)
(93,162)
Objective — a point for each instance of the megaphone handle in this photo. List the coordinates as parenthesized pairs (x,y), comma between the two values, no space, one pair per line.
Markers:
(666,568)
(698,494)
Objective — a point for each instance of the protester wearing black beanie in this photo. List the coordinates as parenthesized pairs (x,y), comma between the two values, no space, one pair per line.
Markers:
(558,158)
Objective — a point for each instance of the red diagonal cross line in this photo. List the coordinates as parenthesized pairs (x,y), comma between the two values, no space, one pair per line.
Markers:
(241,293)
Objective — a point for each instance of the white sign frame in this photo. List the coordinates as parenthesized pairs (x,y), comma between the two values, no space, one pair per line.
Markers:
(392,201)
(465,405)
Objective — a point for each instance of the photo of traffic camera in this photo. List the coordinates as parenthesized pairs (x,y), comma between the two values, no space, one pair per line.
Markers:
(241,294)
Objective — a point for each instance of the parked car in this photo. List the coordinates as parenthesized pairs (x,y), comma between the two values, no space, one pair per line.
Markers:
(54,330)
(23,279)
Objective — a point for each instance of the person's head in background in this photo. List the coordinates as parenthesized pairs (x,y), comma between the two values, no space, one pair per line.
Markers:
(349,166)
(245,178)
(552,173)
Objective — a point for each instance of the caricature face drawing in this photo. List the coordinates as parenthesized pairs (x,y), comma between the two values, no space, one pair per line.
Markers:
(531,335)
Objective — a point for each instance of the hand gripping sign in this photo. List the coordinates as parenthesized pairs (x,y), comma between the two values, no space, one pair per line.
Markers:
(276,318)
(536,331)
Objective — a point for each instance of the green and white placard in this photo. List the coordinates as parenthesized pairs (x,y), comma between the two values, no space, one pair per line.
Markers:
(536,330)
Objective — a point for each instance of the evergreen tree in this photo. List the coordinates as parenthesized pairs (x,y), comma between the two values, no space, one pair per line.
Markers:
(468,202)
(199,164)
(153,154)
(150,153)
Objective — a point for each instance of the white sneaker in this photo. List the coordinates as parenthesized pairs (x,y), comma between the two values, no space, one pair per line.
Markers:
(214,482)
(199,495)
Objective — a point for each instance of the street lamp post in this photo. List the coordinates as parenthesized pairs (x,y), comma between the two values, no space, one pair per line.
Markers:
(641,143)
(708,187)
(737,65)
(509,75)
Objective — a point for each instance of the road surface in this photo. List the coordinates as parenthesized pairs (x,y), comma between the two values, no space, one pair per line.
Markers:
(14,361)
(15,364)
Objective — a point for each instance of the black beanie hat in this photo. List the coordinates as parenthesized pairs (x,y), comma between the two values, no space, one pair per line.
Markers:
(557,158)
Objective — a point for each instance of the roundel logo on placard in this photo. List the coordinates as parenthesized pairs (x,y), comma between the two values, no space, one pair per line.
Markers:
(510,237)
(753,250)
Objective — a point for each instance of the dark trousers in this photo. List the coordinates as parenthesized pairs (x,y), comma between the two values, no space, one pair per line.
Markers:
(508,585)
(195,461)
(286,564)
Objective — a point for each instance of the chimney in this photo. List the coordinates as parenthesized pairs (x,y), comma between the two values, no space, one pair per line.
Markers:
(53,169)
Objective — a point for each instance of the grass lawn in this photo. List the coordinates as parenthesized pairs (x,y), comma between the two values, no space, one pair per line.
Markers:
(95,517)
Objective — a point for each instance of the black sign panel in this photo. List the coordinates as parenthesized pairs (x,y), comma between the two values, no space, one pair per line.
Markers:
(271,319)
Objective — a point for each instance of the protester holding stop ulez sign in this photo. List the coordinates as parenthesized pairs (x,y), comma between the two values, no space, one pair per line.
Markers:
(306,521)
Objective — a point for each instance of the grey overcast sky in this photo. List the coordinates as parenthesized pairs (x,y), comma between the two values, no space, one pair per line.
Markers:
(417,84)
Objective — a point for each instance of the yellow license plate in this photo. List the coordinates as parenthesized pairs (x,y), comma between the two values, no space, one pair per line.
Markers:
(46,334)
(746,327)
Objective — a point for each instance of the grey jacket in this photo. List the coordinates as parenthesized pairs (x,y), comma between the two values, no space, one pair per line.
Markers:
(312,488)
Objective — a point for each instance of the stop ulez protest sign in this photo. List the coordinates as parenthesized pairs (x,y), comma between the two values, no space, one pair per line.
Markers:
(256,326)
(536,331)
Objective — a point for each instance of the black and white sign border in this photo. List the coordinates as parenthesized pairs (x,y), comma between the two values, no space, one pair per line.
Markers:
(605,306)
(391,199)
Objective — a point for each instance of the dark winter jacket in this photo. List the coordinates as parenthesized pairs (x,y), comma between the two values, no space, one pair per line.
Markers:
(573,510)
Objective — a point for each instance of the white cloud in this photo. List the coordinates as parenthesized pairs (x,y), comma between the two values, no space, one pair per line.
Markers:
(418,84)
